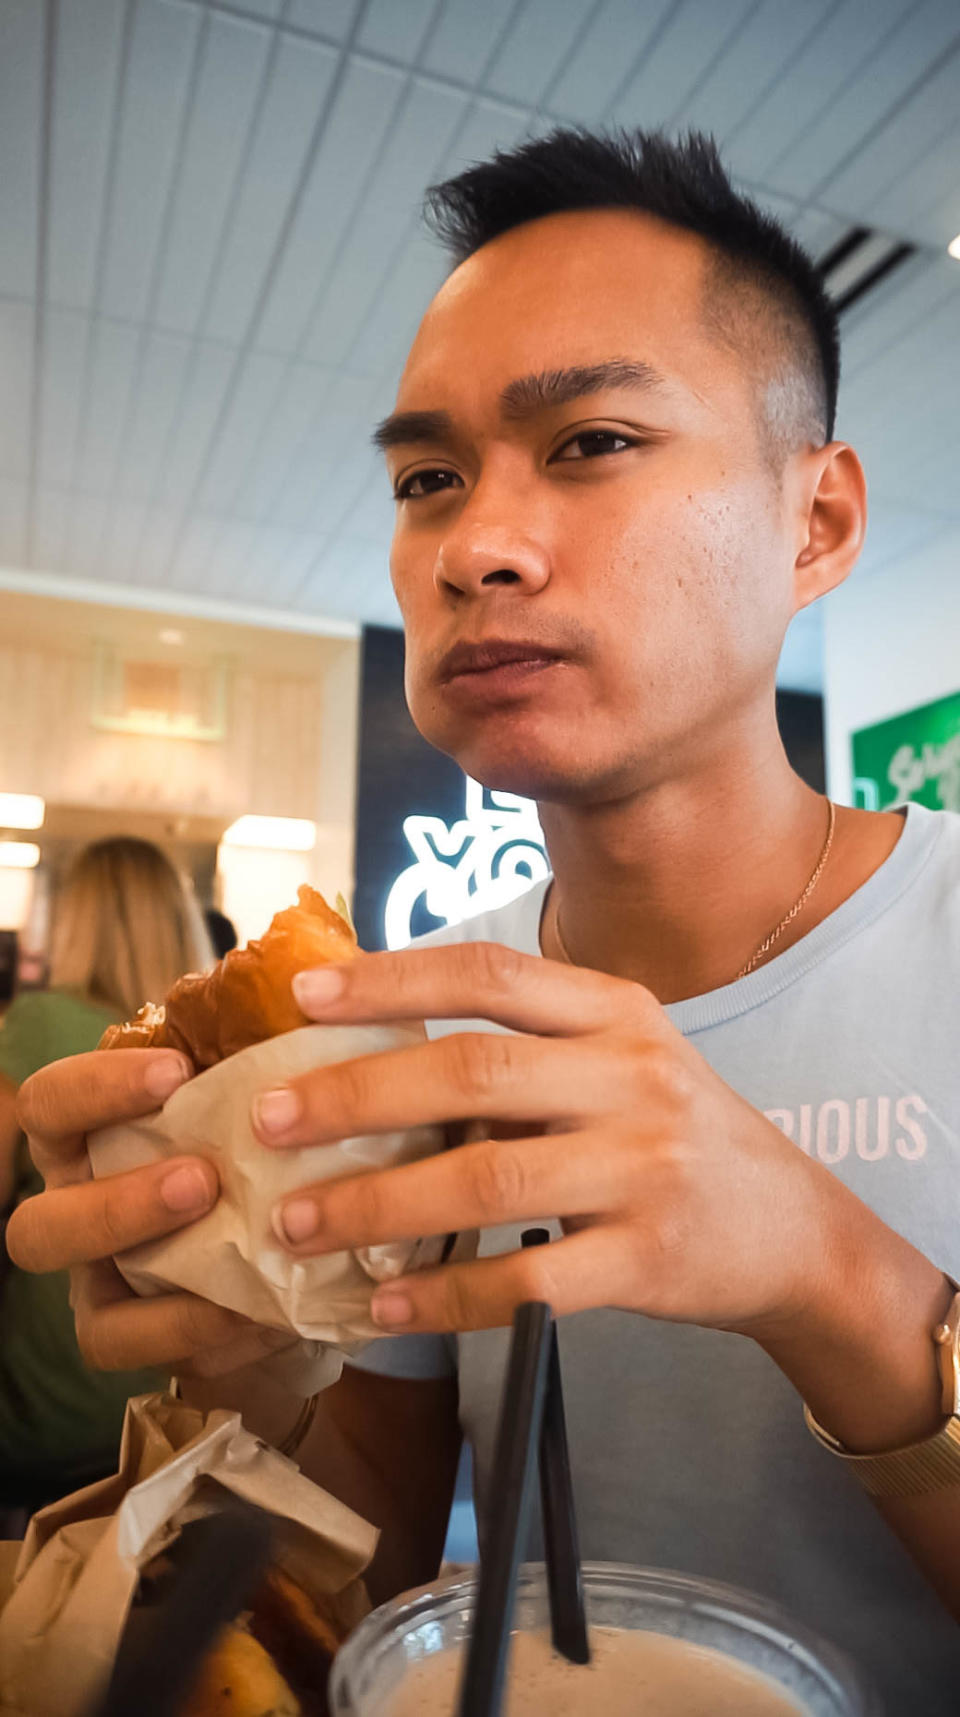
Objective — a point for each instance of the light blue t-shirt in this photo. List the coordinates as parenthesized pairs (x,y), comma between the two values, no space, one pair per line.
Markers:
(689,1448)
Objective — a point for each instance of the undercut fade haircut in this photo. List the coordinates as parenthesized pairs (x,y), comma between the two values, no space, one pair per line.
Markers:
(763,294)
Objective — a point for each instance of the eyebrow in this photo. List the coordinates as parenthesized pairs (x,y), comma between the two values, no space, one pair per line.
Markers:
(525,398)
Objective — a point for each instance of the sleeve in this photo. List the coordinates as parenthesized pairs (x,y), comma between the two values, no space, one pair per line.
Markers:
(24,1038)
(413,1356)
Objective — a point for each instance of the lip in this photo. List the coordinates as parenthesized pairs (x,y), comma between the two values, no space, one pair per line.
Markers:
(493,657)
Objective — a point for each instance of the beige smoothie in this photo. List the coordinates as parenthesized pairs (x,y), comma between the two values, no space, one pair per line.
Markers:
(631,1674)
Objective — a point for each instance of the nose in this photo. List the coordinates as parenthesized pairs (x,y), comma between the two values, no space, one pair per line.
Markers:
(478,557)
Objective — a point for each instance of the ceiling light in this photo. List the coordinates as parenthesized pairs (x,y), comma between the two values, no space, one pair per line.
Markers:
(170,635)
(19,855)
(21,811)
(953,249)
(291,834)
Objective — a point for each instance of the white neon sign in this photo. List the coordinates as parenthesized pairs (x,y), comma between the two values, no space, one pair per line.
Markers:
(483,860)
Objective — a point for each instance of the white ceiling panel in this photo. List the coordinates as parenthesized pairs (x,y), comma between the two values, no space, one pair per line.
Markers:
(842,37)
(207,378)
(294,102)
(332,19)
(151,414)
(89,51)
(398,32)
(156,99)
(621,33)
(22,122)
(64,339)
(109,394)
(418,142)
(683,53)
(384,339)
(841,130)
(362,111)
(211,263)
(535,49)
(253,398)
(16,368)
(465,36)
(49,534)
(925,116)
(285,432)
(14,526)
(233,59)
(765,45)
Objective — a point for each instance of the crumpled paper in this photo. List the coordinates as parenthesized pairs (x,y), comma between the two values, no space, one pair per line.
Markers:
(79,1565)
(232,1256)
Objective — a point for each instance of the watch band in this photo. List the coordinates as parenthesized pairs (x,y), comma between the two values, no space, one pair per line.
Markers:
(930,1465)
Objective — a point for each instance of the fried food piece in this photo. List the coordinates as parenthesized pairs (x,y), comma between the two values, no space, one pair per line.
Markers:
(298,1635)
(247,996)
(240,1679)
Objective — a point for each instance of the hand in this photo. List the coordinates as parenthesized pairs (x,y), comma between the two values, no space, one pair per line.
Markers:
(80,1223)
(677,1199)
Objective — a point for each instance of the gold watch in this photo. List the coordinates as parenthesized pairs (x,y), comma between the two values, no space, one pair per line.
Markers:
(933,1464)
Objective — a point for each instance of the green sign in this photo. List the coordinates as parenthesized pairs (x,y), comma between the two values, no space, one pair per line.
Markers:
(911,756)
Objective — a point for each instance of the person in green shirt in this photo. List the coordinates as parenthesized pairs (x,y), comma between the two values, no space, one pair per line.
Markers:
(125,927)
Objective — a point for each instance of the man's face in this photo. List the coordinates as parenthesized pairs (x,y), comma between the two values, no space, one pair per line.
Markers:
(629,543)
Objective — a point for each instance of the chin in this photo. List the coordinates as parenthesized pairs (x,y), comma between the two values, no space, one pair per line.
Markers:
(542,773)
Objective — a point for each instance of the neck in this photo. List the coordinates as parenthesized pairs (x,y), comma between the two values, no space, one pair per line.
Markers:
(675,886)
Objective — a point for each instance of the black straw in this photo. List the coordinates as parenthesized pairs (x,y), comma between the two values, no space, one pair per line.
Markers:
(222,1558)
(511,1487)
(568,1622)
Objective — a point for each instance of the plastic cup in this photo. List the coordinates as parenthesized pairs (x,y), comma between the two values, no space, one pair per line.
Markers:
(370,1667)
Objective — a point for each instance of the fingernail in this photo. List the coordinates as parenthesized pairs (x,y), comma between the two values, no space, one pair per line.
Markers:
(391,1309)
(317,988)
(162,1078)
(296,1221)
(275,1112)
(186,1188)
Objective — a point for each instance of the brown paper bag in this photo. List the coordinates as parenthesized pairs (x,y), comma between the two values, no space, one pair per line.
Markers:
(77,1570)
(232,1255)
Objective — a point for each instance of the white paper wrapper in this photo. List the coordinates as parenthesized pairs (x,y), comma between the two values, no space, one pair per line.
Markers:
(232,1256)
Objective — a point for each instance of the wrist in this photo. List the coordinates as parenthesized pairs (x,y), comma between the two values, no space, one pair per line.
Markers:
(861,1352)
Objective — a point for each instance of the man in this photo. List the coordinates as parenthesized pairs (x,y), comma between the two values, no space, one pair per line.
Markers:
(616,482)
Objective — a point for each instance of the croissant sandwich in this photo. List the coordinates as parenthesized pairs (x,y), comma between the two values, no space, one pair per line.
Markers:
(247,997)
(244,1033)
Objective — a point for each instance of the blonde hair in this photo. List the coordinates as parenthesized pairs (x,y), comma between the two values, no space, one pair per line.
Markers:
(126,926)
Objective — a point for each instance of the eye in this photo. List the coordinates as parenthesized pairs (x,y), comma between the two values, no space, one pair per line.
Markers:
(430,483)
(593,444)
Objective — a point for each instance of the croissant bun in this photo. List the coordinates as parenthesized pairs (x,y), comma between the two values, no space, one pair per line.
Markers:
(247,996)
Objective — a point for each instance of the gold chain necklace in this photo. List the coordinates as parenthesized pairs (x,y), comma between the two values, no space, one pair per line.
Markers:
(774,935)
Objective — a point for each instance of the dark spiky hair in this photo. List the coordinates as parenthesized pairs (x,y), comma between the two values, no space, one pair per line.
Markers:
(756,264)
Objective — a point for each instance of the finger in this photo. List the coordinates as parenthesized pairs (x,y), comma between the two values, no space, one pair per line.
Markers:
(472,980)
(95,1219)
(69,1098)
(478,1186)
(570,1275)
(504,1078)
(127,1332)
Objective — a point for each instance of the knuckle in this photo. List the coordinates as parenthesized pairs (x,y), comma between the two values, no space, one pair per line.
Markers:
(663,1073)
(498,1181)
(493,966)
(459,1308)
(480,1063)
(197,1325)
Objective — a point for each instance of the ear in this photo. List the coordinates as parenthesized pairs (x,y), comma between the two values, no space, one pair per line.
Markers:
(833,520)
